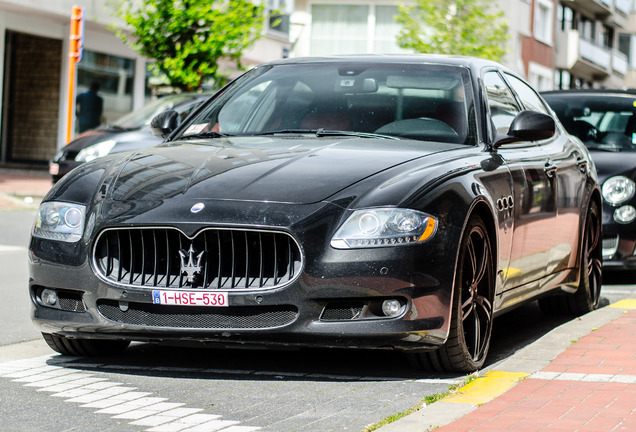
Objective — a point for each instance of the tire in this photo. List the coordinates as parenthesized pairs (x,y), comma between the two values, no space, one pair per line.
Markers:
(84,347)
(470,331)
(587,297)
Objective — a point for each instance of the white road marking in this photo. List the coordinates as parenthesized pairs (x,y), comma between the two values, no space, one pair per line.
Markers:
(627,379)
(113,398)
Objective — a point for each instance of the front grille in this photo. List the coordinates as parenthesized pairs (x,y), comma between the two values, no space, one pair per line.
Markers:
(214,259)
(243,317)
(610,246)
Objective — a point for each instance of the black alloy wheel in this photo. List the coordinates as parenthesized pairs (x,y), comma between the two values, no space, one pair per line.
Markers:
(468,341)
(588,295)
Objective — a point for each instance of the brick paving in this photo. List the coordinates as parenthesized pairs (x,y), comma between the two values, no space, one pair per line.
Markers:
(591,386)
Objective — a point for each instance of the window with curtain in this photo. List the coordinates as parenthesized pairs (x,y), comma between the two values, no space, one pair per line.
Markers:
(339,29)
(386,30)
(543,21)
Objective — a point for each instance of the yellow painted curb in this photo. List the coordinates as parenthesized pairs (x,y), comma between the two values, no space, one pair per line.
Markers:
(512,271)
(624,304)
(486,388)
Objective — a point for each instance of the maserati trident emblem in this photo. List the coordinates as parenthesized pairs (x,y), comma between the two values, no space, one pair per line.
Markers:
(191,263)
(197,207)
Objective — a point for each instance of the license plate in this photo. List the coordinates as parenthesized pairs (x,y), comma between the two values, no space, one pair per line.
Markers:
(190,298)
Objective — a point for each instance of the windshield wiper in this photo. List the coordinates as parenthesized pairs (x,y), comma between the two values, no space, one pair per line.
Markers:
(205,135)
(286,131)
(327,132)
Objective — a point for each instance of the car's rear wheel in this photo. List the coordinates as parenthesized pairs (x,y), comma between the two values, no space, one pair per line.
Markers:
(472,313)
(588,295)
(84,347)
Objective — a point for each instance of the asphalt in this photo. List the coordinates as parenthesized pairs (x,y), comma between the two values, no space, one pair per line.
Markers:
(581,376)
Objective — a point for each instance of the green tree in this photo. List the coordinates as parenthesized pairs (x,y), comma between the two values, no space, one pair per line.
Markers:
(461,27)
(188,38)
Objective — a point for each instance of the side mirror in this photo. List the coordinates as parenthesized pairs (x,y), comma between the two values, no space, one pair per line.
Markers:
(164,124)
(528,126)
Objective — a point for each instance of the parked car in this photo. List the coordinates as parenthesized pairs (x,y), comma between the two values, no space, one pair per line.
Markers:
(130,132)
(605,120)
(375,201)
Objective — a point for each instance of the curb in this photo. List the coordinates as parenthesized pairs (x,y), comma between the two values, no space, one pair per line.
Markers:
(502,376)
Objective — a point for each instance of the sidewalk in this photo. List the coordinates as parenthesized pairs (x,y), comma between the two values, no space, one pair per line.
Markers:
(22,189)
(579,377)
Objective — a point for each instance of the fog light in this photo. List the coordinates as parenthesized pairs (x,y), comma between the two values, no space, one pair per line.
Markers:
(49,297)
(625,214)
(391,308)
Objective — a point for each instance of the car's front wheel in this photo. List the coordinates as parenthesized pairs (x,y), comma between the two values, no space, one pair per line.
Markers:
(84,347)
(468,341)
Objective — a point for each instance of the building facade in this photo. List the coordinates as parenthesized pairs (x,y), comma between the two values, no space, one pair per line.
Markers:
(324,27)
(592,43)
(552,43)
(34,47)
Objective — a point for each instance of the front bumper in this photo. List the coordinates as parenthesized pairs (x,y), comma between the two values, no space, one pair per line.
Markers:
(335,302)
(619,243)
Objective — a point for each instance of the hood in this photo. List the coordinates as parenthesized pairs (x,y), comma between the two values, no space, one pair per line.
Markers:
(609,164)
(288,170)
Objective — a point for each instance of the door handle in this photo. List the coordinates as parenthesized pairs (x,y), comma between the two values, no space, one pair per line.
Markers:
(550,169)
(582,164)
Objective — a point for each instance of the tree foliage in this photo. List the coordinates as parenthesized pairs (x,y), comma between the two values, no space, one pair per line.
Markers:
(188,38)
(461,27)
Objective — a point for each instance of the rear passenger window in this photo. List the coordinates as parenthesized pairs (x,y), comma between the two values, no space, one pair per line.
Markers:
(501,102)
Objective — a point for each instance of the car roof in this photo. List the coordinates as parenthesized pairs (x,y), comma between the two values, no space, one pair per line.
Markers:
(451,60)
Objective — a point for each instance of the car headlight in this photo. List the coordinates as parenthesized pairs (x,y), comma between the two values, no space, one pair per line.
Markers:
(60,221)
(625,214)
(384,227)
(617,190)
(95,151)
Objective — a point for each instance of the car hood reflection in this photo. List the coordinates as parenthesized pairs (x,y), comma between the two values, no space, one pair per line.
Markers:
(286,170)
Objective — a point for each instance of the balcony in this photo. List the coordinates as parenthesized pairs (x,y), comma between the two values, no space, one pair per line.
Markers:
(582,57)
(620,62)
(597,8)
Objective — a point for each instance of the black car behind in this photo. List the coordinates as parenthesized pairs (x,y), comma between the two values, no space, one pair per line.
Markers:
(605,120)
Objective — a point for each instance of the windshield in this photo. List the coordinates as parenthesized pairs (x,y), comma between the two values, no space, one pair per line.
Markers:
(601,121)
(142,117)
(416,101)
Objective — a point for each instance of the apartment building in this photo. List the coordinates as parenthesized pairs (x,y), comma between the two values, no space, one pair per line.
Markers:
(34,42)
(326,27)
(592,43)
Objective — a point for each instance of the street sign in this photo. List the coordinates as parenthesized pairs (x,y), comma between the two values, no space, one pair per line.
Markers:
(76,43)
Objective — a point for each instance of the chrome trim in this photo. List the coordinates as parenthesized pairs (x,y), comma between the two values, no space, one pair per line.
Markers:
(610,246)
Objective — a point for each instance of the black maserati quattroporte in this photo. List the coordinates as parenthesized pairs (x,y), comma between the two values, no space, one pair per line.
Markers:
(372,201)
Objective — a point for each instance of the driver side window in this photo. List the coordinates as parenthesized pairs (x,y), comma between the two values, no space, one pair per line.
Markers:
(501,102)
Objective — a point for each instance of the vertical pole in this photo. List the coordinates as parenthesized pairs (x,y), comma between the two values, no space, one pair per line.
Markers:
(75,55)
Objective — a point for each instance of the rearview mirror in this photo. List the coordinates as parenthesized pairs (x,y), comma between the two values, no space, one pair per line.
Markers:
(528,126)
(164,124)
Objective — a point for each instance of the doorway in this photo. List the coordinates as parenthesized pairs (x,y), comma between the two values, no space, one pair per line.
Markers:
(31,98)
